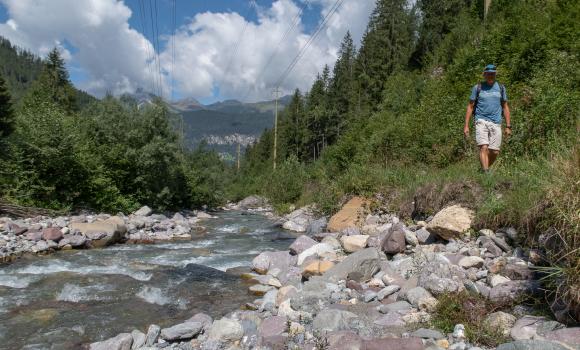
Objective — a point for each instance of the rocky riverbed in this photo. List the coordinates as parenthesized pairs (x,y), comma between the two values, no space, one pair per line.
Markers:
(361,280)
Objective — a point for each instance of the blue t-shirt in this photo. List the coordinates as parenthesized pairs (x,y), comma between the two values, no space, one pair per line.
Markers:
(489,102)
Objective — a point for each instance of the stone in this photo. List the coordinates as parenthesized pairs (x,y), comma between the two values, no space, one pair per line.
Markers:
(226,330)
(532,345)
(202,318)
(397,306)
(316,250)
(351,215)
(365,262)
(459,332)
(75,241)
(185,330)
(392,320)
(420,298)
(301,244)
(143,211)
(101,233)
(499,321)
(354,243)
(52,234)
(316,226)
(495,280)
(333,320)
(518,272)
(333,242)
(424,236)
(385,292)
(569,336)
(394,240)
(252,202)
(451,222)
(122,341)
(369,295)
(316,268)
(486,232)
(501,243)
(471,261)
(285,293)
(139,339)
(526,327)
(269,260)
(411,238)
(512,290)
(152,334)
(394,343)
(427,334)
(34,236)
(273,326)
(259,289)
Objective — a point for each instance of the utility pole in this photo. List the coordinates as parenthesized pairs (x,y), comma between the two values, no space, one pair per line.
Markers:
(276,92)
(238,156)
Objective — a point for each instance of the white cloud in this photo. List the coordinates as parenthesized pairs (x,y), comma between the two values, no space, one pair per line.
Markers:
(115,56)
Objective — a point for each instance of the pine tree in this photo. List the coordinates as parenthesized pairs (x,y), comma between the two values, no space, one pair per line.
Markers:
(54,84)
(292,127)
(340,90)
(6,112)
(386,47)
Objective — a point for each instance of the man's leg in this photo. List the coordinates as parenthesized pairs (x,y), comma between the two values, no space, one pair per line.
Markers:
(484,157)
(492,156)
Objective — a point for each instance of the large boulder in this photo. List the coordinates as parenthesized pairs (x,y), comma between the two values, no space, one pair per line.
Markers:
(252,202)
(512,290)
(319,249)
(529,327)
(394,240)
(271,260)
(351,215)
(354,243)
(451,222)
(122,341)
(143,211)
(532,345)
(569,336)
(298,220)
(185,330)
(225,330)
(365,262)
(333,320)
(52,234)
(316,268)
(102,233)
(301,244)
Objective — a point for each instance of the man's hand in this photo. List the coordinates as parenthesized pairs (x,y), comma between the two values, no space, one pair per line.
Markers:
(466,131)
(507,131)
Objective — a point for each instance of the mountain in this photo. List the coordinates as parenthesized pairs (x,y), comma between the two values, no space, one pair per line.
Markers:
(225,124)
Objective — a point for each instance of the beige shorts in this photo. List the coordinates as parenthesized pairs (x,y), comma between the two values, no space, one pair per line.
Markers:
(488,133)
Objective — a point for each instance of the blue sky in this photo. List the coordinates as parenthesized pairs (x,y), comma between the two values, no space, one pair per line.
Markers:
(223,48)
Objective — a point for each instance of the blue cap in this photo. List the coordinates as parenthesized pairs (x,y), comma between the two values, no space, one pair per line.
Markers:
(490,68)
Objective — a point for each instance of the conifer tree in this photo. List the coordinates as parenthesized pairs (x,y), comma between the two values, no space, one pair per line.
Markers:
(6,112)
(340,90)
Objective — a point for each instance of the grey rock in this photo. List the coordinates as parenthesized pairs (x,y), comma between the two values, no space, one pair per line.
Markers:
(185,330)
(531,345)
(301,244)
(273,326)
(122,341)
(139,339)
(369,295)
(152,334)
(252,202)
(316,226)
(394,240)
(396,306)
(411,238)
(364,262)
(391,320)
(420,298)
(143,211)
(388,290)
(202,318)
(501,243)
(499,321)
(512,290)
(427,334)
(270,260)
(425,237)
(333,320)
(226,330)
(569,336)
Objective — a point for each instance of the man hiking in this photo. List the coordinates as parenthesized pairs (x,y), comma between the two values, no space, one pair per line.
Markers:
(488,101)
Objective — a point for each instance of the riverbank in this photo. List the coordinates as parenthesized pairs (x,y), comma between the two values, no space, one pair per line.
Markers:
(366,281)
(44,235)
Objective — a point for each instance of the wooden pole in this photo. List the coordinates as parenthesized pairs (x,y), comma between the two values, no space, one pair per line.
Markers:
(276,91)
(238,156)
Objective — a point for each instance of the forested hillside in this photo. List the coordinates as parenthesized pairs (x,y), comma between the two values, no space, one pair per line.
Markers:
(387,121)
(62,150)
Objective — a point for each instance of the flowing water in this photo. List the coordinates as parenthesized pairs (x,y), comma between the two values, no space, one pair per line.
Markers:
(72,297)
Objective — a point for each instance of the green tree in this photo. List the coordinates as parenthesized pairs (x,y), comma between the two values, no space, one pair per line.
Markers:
(6,111)
(341,87)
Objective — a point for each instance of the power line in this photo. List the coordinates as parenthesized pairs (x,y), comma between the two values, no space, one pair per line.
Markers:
(155,44)
(174,25)
(293,25)
(301,53)
(143,22)
(240,39)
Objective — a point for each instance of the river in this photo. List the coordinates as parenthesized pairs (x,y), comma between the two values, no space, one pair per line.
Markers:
(71,297)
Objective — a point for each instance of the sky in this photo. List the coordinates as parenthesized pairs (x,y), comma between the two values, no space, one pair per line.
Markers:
(217,50)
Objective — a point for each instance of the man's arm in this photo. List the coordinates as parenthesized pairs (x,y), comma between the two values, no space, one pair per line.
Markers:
(468,114)
(507,115)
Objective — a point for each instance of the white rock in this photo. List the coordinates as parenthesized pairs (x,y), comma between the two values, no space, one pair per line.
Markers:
(471,261)
(318,249)
(354,243)
(494,280)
